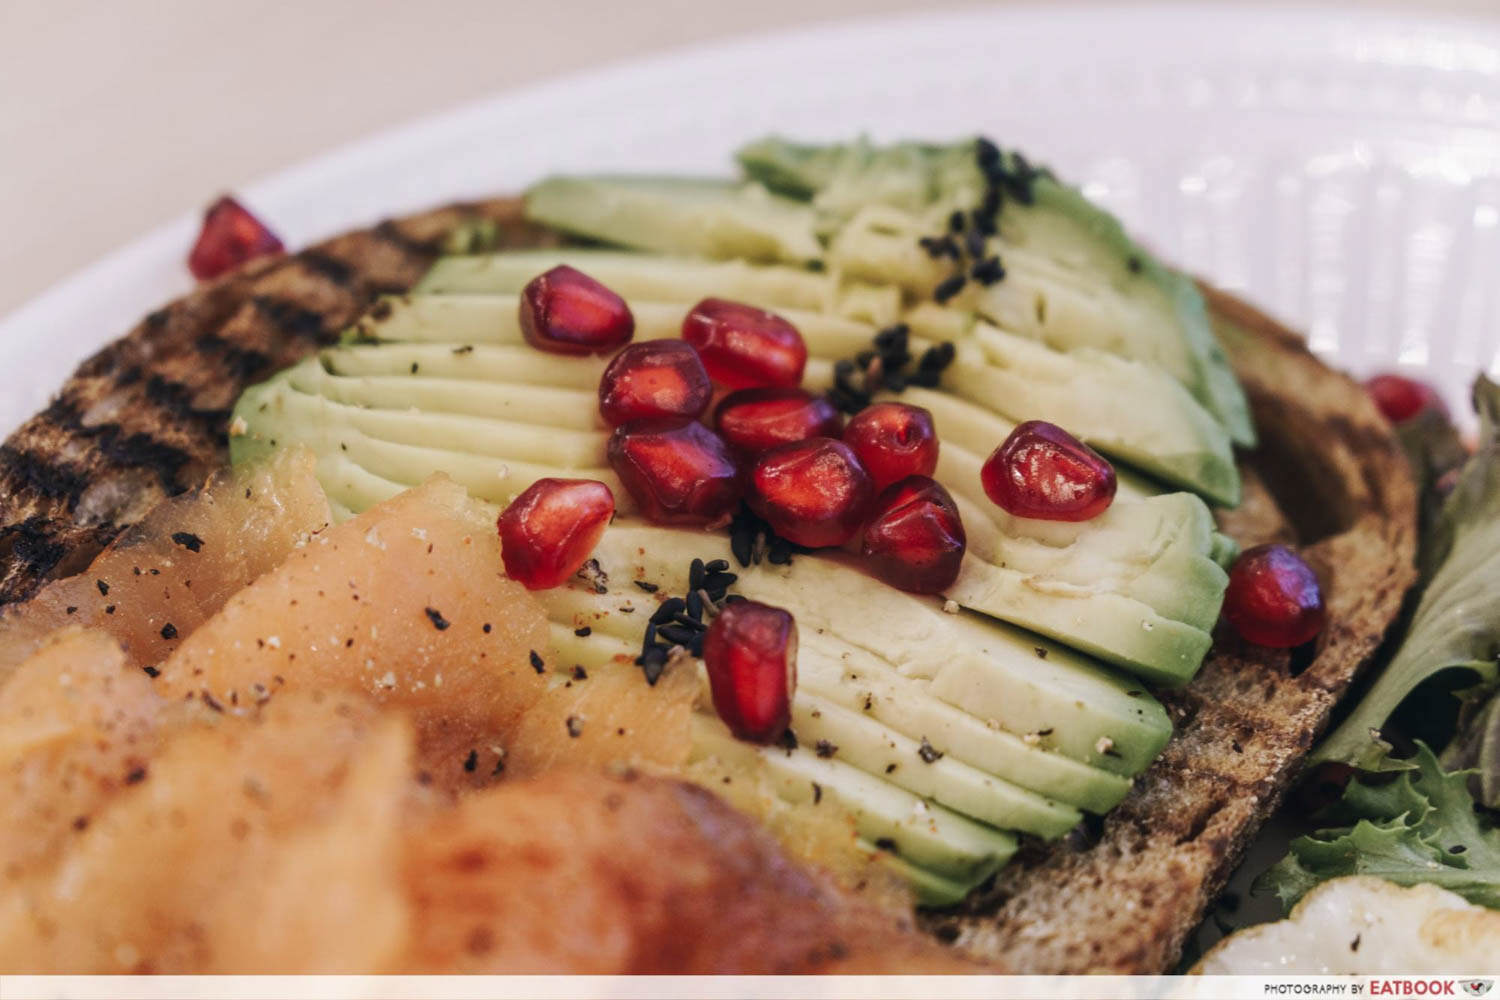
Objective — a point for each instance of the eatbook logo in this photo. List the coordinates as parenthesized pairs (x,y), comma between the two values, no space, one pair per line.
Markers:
(1475,987)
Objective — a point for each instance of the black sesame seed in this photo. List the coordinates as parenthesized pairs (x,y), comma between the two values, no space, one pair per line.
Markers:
(974,241)
(537,663)
(893,337)
(187,540)
(72,608)
(488,628)
(817,792)
(988,271)
(151,671)
(135,776)
(471,761)
(169,631)
(583,632)
(649,588)
(677,635)
(667,609)
(436,617)
(103,588)
(652,662)
(719,580)
(948,288)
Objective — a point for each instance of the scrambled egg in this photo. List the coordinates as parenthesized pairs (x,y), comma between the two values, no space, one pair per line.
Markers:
(1361,926)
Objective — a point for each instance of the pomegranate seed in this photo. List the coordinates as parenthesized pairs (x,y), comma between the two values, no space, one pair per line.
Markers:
(1273,598)
(915,540)
(750,653)
(744,347)
(678,471)
(757,420)
(548,531)
(230,236)
(657,378)
(1401,398)
(564,311)
(813,493)
(1042,471)
(894,441)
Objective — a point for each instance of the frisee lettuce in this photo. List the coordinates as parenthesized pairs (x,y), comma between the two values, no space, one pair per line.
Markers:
(1455,630)
(1420,827)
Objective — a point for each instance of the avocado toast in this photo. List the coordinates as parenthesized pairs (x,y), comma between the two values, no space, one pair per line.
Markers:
(1119,893)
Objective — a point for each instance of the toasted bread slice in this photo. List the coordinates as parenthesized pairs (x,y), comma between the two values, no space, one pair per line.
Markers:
(146,417)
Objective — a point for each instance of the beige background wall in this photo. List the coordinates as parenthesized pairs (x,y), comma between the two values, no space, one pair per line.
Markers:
(116,115)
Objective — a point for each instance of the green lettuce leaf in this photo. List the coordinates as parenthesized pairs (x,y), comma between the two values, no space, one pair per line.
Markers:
(1420,827)
(1454,638)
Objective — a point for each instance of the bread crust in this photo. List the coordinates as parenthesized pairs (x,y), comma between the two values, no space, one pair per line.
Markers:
(146,417)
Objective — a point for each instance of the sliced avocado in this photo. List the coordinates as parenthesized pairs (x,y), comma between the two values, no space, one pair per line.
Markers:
(924,769)
(980,430)
(928,887)
(1174,440)
(402,409)
(922,832)
(671,279)
(1095,715)
(862,682)
(681,215)
(1073,278)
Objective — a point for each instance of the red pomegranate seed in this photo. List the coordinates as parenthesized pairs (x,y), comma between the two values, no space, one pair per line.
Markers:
(1273,598)
(743,347)
(915,539)
(656,378)
(229,237)
(564,311)
(1401,398)
(1042,471)
(549,530)
(894,441)
(757,420)
(750,653)
(813,493)
(678,471)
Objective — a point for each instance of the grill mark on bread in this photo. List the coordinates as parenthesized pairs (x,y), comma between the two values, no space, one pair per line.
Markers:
(145,417)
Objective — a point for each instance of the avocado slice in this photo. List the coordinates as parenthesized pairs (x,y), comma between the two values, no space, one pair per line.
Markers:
(864,683)
(1036,684)
(697,216)
(928,887)
(654,278)
(925,769)
(1176,440)
(1073,277)
(1142,571)
(921,832)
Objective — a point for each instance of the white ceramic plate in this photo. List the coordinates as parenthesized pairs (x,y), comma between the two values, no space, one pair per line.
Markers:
(1341,169)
